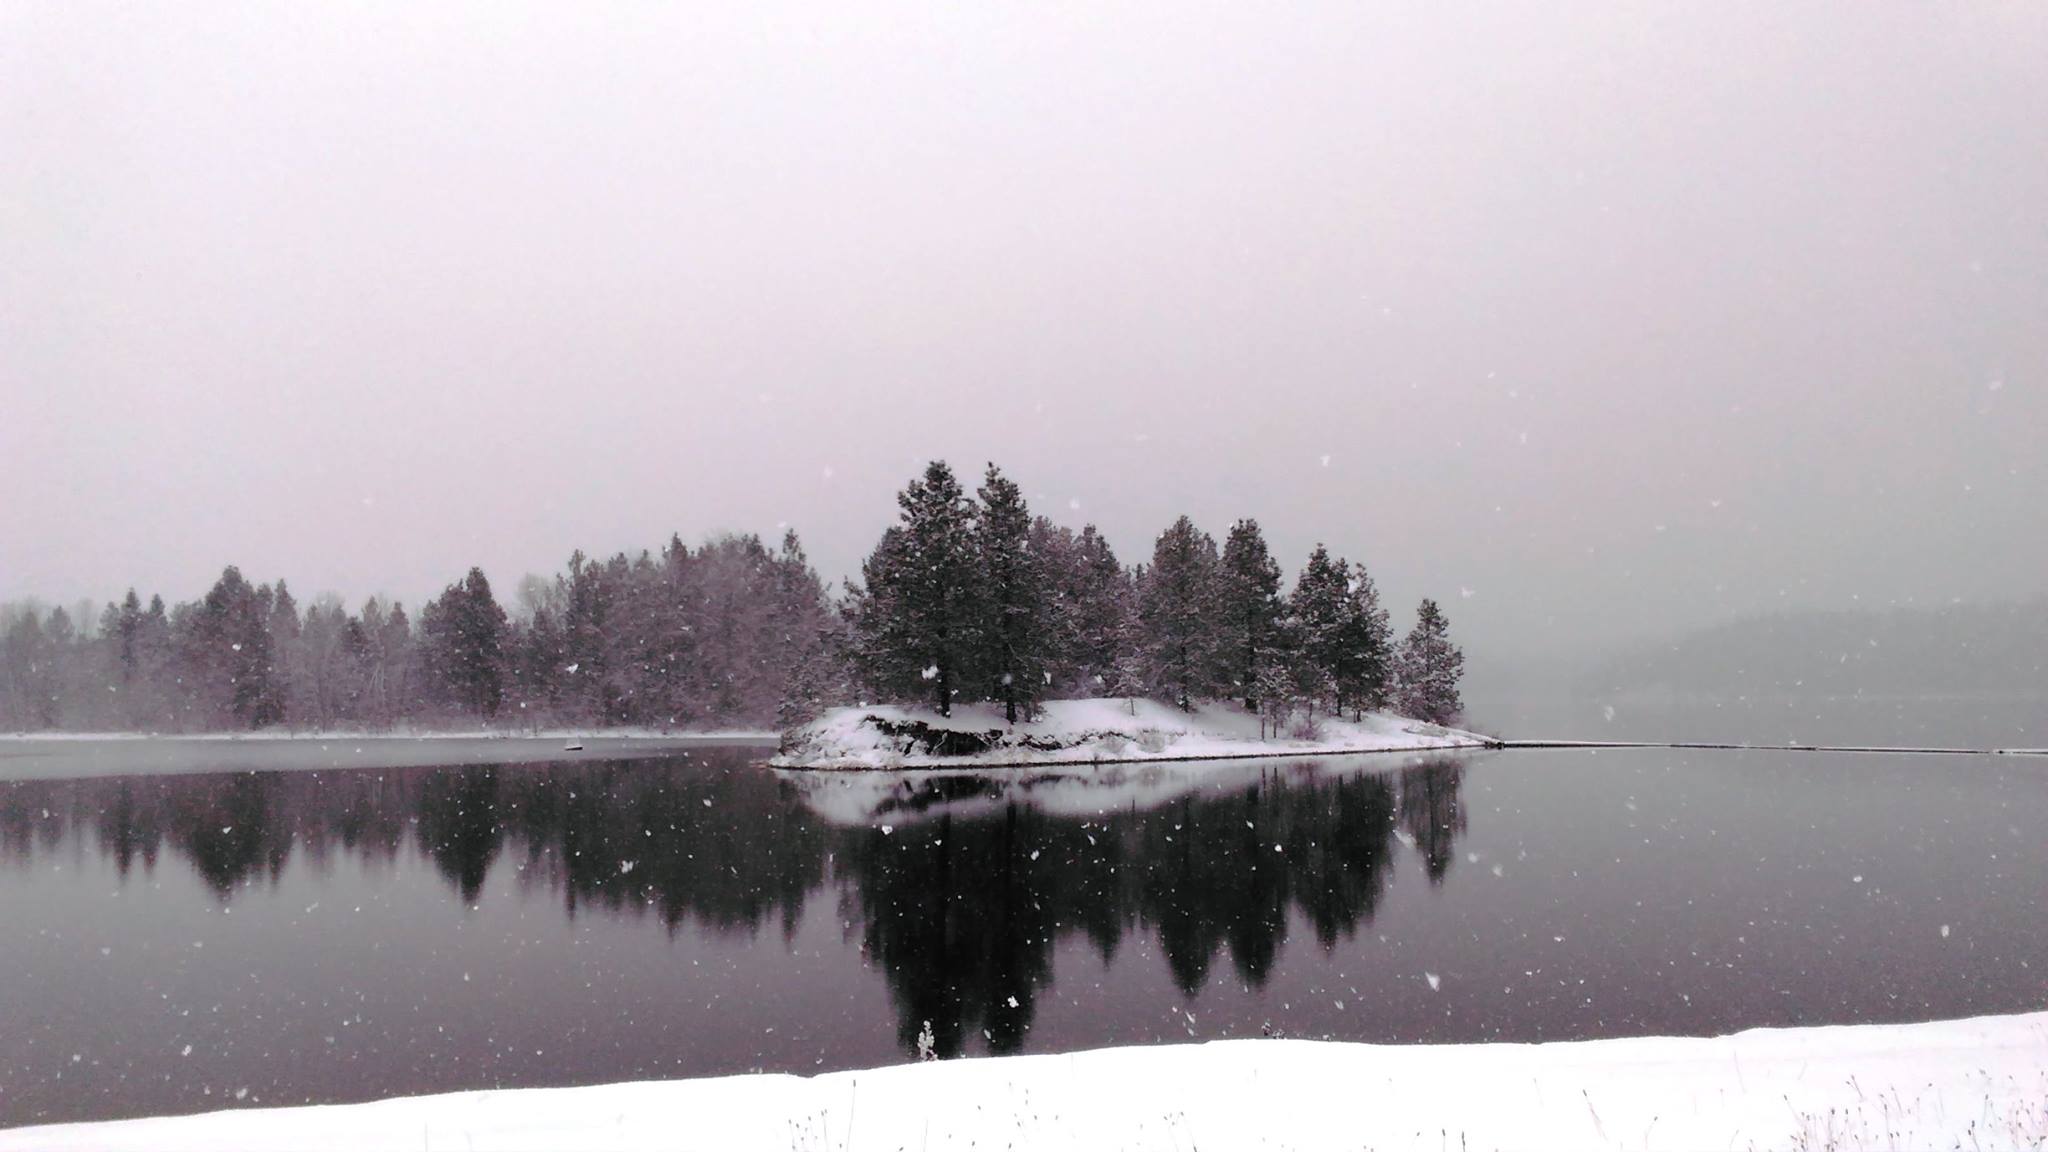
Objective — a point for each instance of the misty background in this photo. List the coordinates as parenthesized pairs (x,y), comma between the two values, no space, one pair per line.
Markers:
(1600,327)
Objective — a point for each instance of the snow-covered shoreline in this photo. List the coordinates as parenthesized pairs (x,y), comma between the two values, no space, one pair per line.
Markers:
(1074,732)
(1980,1084)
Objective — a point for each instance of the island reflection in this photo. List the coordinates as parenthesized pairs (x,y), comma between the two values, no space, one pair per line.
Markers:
(957,887)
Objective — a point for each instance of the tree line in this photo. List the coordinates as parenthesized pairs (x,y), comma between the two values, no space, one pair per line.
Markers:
(687,637)
(969,597)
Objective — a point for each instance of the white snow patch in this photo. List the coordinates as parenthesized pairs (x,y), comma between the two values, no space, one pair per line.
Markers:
(1976,1083)
(1093,731)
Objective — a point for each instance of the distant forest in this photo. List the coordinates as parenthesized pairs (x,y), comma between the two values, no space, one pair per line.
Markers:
(968,598)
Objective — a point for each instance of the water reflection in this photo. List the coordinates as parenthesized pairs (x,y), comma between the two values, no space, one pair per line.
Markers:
(957,888)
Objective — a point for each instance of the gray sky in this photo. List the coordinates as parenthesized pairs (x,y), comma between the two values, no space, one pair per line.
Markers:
(1592,323)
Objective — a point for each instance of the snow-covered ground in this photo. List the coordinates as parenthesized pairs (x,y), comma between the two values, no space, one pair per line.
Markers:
(1965,1084)
(1091,732)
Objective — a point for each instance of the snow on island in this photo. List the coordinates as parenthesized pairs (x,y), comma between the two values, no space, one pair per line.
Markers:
(1973,1084)
(1100,731)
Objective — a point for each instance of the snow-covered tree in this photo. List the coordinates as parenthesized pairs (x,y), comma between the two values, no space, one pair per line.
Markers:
(1363,672)
(225,647)
(1248,600)
(1273,695)
(1177,615)
(1015,626)
(1429,669)
(1320,607)
(463,634)
(917,612)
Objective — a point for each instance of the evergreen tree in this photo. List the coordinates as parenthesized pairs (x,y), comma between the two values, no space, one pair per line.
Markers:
(389,657)
(587,602)
(1430,666)
(324,669)
(464,632)
(1248,594)
(1322,613)
(1090,606)
(1105,613)
(1364,668)
(1055,547)
(917,611)
(122,628)
(153,704)
(1274,696)
(226,647)
(1176,609)
(1014,626)
(288,669)
(29,697)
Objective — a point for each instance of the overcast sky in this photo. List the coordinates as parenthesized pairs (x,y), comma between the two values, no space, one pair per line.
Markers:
(1593,323)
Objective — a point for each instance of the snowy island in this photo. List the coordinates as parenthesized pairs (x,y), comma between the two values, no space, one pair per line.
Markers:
(1088,731)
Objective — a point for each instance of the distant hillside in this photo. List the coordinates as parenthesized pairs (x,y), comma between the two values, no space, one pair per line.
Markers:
(1993,649)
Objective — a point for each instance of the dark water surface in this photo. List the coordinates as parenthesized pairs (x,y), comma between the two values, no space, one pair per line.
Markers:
(181,943)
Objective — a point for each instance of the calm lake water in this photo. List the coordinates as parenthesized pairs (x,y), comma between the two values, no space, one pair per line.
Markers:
(183,943)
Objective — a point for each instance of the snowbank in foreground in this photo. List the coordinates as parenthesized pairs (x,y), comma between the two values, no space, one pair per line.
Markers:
(1082,732)
(1978,1084)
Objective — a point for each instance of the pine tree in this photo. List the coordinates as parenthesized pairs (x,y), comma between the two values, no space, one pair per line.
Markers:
(122,629)
(1321,609)
(226,648)
(1248,594)
(388,680)
(28,687)
(1364,667)
(1089,608)
(1177,616)
(288,669)
(1273,696)
(464,632)
(1430,666)
(1105,612)
(917,612)
(155,704)
(1014,625)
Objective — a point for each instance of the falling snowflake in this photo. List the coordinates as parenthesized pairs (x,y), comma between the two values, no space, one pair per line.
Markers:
(1435,981)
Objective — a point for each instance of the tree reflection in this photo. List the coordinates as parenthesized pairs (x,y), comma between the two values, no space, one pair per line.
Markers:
(458,826)
(960,908)
(1432,815)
